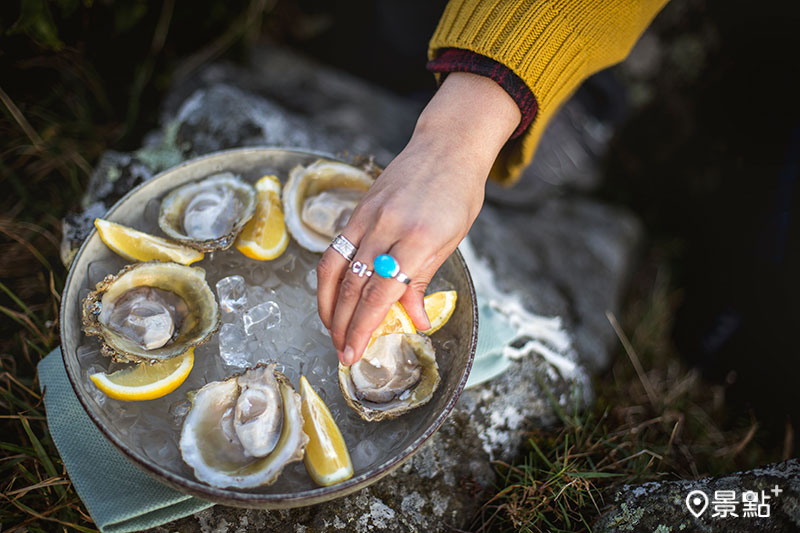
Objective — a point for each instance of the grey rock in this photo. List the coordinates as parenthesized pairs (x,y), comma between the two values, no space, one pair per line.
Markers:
(223,116)
(567,160)
(661,506)
(571,258)
(442,486)
(568,257)
(353,115)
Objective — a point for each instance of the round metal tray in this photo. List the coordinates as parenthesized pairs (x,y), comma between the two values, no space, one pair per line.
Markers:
(252,163)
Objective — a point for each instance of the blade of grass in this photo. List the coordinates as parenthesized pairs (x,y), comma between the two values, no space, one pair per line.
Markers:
(42,454)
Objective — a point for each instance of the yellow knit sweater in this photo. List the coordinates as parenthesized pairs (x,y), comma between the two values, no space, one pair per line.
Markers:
(553,45)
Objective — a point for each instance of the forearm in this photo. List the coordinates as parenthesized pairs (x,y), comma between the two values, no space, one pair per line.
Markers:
(552,45)
(467,122)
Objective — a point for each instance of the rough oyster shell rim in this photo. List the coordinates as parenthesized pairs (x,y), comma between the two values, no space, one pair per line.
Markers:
(172,207)
(421,393)
(111,342)
(302,183)
(251,480)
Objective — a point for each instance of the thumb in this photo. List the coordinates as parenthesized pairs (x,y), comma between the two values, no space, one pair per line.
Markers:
(412,301)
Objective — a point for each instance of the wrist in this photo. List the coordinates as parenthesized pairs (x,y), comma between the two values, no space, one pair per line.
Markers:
(471,117)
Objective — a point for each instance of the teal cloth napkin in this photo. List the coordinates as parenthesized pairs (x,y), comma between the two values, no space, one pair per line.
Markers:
(494,333)
(118,495)
(122,498)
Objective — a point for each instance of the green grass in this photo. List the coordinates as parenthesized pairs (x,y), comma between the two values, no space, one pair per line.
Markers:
(654,418)
(76,78)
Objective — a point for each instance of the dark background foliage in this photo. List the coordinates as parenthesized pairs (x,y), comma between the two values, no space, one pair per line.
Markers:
(707,153)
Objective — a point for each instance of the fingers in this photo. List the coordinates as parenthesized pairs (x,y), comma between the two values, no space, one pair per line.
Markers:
(377,296)
(330,272)
(413,300)
(351,287)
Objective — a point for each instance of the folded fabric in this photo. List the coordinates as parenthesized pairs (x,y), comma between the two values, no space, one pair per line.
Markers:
(122,498)
(118,495)
(508,331)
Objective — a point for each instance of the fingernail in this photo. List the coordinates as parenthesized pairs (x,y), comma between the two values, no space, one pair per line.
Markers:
(340,356)
(348,356)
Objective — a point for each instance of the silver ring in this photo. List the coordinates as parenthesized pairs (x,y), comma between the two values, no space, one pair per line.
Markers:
(360,269)
(346,248)
(387,266)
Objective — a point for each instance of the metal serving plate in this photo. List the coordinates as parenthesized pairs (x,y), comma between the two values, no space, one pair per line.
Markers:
(252,163)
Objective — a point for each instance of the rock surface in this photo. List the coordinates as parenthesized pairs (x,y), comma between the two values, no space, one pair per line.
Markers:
(568,256)
(661,506)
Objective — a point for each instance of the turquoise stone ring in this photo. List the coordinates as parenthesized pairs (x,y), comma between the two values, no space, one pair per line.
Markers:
(386,266)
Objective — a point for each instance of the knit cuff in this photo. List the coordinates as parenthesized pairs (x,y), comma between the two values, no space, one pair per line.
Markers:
(459,60)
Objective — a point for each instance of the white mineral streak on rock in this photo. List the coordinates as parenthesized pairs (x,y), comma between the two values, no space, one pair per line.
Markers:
(545,335)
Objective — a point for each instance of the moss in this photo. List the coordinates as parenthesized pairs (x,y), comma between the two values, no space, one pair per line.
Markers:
(166,154)
(628,519)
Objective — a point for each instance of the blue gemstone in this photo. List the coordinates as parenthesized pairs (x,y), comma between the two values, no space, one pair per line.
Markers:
(386,266)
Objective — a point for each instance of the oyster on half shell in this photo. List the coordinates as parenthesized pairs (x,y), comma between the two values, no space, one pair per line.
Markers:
(151,311)
(397,373)
(241,432)
(208,214)
(319,199)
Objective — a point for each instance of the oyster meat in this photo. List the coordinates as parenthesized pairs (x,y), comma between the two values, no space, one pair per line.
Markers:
(397,373)
(241,432)
(208,214)
(319,199)
(151,311)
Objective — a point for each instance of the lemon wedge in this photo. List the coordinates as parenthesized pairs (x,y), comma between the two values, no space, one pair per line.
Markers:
(145,381)
(326,458)
(439,307)
(265,236)
(135,245)
(396,321)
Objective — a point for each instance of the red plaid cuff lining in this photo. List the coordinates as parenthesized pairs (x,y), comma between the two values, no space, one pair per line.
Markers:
(458,60)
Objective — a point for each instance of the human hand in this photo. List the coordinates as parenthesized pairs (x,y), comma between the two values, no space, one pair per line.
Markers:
(418,210)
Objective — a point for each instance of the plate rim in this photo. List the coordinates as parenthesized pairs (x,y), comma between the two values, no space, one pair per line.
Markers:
(239,498)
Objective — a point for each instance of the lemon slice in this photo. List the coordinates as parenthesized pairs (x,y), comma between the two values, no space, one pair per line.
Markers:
(265,236)
(439,307)
(146,381)
(396,321)
(326,458)
(135,245)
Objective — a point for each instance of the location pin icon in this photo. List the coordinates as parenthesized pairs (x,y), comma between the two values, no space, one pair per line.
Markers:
(697,502)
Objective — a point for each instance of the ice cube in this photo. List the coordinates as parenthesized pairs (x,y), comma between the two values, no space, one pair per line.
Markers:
(257,294)
(232,345)
(365,453)
(266,315)
(232,292)
(286,263)
(178,411)
(98,270)
(150,219)
(257,272)
(311,280)
(160,449)
(88,354)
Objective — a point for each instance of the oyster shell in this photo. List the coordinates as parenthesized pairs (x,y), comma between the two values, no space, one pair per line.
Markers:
(241,432)
(397,373)
(209,213)
(151,311)
(319,199)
